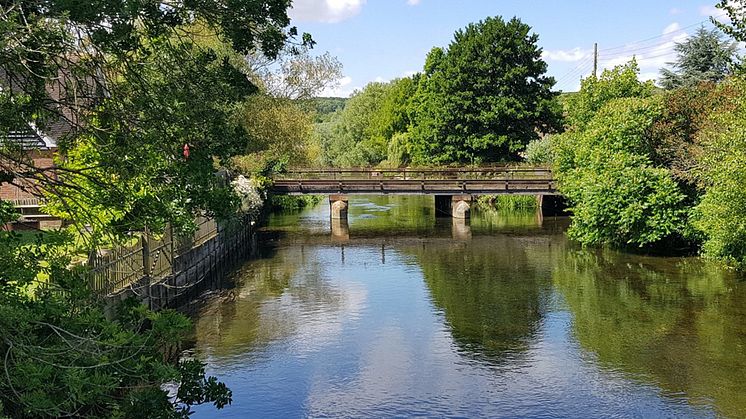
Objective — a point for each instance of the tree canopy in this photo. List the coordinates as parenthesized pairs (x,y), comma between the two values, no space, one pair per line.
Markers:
(133,84)
(705,56)
(618,82)
(617,194)
(484,97)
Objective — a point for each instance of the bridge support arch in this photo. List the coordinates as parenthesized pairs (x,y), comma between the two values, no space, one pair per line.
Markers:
(455,206)
(339,205)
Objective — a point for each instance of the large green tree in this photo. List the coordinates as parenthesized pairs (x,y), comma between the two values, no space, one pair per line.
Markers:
(721,172)
(132,84)
(484,97)
(705,56)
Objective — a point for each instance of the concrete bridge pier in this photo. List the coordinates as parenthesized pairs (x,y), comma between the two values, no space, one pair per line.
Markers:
(455,206)
(339,205)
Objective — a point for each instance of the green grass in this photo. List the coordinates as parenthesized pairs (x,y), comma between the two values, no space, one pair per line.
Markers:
(522,203)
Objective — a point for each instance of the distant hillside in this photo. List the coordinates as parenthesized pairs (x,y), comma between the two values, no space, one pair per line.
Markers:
(325,106)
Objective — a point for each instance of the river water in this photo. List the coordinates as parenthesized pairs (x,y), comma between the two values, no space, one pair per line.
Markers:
(402,314)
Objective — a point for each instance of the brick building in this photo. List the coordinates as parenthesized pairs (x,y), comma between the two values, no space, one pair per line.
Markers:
(25,195)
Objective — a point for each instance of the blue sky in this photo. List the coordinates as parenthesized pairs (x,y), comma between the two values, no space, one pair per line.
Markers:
(385,39)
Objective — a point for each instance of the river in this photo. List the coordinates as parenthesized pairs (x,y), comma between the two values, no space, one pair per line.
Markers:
(402,314)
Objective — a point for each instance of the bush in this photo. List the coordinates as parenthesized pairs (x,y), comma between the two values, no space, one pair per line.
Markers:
(720,214)
(293,203)
(512,203)
(616,195)
(539,152)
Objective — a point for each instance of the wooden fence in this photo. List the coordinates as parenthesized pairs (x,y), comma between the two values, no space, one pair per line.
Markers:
(153,257)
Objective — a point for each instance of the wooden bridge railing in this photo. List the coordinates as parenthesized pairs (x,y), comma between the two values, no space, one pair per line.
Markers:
(492,173)
(430,181)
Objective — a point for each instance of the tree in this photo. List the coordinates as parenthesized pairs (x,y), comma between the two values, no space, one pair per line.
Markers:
(706,56)
(605,164)
(295,73)
(687,113)
(619,82)
(616,195)
(484,97)
(721,171)
(281,132)
(352,143)
(135,84)
(736,11)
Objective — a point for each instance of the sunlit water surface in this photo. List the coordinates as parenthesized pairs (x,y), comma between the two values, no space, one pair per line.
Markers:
(402,314)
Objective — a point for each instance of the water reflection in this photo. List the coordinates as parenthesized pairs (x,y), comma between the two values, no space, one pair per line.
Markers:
(397,313)
(340,229)
(680,324)
(494,291)
(461,228)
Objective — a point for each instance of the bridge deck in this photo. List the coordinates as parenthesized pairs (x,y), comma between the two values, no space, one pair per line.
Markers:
(489,181)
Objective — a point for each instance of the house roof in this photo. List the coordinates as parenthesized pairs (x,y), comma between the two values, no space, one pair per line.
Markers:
(33,138)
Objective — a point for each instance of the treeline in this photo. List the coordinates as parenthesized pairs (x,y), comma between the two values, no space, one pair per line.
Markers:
(479,100)
(651,168)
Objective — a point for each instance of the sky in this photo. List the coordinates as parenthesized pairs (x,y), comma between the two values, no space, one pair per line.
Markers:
(379,40)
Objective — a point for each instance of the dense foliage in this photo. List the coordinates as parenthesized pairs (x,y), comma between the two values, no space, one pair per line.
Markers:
(361,134)
(642,170)
(484,97)
(605,171)
(64,356)
(151,97)
(721,172)
(619,82)
(480,100)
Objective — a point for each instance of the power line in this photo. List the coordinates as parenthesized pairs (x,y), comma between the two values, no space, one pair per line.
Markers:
(652,38)
(577,73)
(584,61)
(634,48)
(579,68)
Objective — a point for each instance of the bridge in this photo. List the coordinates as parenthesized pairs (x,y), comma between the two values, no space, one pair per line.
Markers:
(453,188)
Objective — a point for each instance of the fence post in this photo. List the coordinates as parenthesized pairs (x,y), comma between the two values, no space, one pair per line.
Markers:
(145,241)
(173,254)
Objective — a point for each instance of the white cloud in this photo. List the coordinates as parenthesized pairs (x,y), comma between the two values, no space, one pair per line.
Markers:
(573,55)
(651,56)
(413,2)
(719,14)
(343,89)
(676,11)
(672,28)
(328,11)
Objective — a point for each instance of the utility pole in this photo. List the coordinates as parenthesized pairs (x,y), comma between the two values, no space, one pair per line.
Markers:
(595,60)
